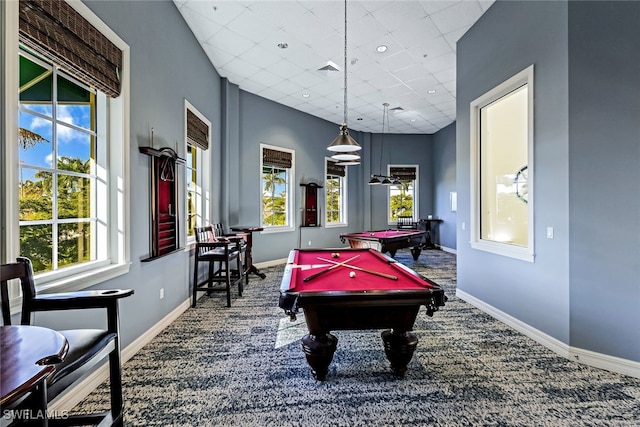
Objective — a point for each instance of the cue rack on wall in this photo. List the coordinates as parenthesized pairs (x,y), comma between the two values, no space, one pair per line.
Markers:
(310,206)
(165,215)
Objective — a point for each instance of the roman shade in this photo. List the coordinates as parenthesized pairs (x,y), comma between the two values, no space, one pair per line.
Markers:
(197,131)
(276,158)
(335,169)
(56,31)
(403,173)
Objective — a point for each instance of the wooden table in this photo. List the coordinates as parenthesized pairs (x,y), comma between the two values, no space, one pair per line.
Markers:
(249,229)
(28,355)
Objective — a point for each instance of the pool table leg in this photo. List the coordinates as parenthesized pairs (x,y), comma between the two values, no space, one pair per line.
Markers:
(319,350)
(415,252)
(399,347)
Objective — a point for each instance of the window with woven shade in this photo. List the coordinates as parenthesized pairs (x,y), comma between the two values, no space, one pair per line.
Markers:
(67,165)
(198,159)
(276,188)
(335,194)
(403,196)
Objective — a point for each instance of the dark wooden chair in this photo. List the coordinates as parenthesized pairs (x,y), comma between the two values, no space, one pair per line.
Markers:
(218,252)
(406,223)
(241,238)
(88,348)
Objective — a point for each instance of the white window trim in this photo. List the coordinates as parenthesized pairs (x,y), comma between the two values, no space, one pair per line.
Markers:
(416,202)
(204,173)
(119,186)
(524,77)
(290,192)
(343,208)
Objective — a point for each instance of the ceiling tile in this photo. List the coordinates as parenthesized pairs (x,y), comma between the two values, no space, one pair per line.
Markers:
(240,38)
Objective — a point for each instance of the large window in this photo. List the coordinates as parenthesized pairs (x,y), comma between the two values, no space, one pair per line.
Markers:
(276,188)
(501,178)
(336,194)
(65,160)
(197,136)
(58,158)
(403,195)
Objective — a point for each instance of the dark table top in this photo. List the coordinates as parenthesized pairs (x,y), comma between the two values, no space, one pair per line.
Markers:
(28,353)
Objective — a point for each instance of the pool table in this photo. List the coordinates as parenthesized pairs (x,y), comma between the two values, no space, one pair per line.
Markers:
(387,240)
(342,289)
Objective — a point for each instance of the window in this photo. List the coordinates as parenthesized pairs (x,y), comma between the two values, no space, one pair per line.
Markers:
(403,197)
(197,137)
(501,179)
(58,162)
(65,161)
(336,194)
(276,188)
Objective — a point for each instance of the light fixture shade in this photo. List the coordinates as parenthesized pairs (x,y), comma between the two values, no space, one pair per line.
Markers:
(348,163)
(346,156)
(374,180)
(386,181)
(343,142)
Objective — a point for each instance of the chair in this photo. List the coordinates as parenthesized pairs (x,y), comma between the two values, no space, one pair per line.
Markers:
(220,250)
(88,348)
(241,238)
(406,222)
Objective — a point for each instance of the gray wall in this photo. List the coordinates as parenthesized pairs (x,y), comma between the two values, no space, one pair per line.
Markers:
(444,182)
(509,37)
(583,288)
(161,46)
(604,174)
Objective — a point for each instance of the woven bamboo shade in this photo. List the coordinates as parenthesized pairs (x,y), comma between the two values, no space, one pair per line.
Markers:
(53,29)
(276,158)
(403,174)
(335,169)
(197,131)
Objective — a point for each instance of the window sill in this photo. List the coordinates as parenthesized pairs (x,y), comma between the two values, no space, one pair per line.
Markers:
(336,225)
(85,279)
(276,230)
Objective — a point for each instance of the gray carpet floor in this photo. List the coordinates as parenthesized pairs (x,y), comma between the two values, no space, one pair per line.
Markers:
(244,366)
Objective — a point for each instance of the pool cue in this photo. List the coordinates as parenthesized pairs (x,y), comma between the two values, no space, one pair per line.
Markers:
(310,266)
(355,267)
(333,267)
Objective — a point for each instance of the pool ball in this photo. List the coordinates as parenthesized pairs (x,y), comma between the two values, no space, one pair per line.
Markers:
(352,274)
(335,255)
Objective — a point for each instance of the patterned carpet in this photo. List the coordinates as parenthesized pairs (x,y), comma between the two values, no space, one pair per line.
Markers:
(243,366)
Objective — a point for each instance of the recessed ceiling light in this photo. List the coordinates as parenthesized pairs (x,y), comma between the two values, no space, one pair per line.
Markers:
(413,120)
(431,92)
(382,48)
(283,45)
(359,119)
(305,95)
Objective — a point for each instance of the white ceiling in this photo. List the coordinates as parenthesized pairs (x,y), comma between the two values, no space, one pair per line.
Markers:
(417,72)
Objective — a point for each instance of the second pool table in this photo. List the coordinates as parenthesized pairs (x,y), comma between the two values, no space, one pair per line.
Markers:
(387,240)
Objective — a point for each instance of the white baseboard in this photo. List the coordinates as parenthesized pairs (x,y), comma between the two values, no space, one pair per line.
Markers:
(586,357)
(450,250)
(271,263)
(72,397)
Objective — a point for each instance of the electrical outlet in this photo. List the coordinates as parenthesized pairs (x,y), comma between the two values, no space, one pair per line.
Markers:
(464,226)
(549,232)
(309,242)
(161,293)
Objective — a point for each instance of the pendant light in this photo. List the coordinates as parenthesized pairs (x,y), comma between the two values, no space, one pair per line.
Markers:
(344,143)
(381,179)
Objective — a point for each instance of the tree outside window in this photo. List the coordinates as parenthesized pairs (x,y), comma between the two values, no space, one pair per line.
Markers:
(57,178)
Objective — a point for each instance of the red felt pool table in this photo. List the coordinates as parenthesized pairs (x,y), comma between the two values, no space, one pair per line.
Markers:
(368,291)
(387,240)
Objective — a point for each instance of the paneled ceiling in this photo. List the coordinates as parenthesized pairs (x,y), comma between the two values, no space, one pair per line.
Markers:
(416,74)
